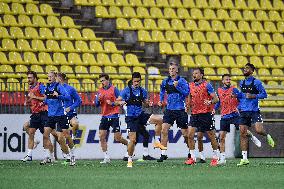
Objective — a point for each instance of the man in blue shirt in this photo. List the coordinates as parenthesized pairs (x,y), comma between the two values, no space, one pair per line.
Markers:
(251,91)
(70,106)
(133,97)
(177,90)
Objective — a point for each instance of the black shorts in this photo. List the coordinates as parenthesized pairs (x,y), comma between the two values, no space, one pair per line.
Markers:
(106,123)
(180,116)
(38,121)
(58,122)
(249,118)
(226,122)
(133,123)
(69,117)
(203,122)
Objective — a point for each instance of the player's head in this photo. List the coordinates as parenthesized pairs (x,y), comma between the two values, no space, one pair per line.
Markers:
(136,79)
(61,77)
(32,77)
(173,69)
(197,74)
(248,69)
(51,77)
(104,79)
(226,80)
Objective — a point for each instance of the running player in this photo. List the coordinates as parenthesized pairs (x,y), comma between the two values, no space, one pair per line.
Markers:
(251,91)
(229,113)
(202,98)
(70,106)
(177,90)
(105,98)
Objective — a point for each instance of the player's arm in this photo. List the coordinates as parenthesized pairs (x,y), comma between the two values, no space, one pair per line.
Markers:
(146,101)
(97,100)
(77,100)
(182,87)
(64,95)
(116,93)
(162,92)
(121,100)
(212,93)
(217,105)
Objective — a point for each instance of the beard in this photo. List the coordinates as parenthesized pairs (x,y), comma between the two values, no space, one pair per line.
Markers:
(247,74)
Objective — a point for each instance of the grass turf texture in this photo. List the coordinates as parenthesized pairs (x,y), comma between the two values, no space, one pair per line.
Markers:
(261,173)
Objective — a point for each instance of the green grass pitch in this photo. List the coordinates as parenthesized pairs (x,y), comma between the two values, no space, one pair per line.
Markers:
(261,173)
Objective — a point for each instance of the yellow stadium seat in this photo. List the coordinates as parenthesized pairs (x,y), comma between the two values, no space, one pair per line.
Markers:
(270,27)
(150,24)
(9,20)
(129,12)
(115,12)
(76,84)
(95,71)
(118,84)
(3,58)
(222,14)
(30,58)
(201,61)
(280,61)
(8,45)
(81,46)
(67,22)
(44,58)
(38,69)
(264,74)
(4,33)
(269,62)
(38,21)
(123,3)
(243,26)
(15,58)
(68,71)
(23,45)
(38,45)
(266,4)
(74,34)
(7,71)
(274,15)
(149,3)
(96,46)
(52,45)
(171,36)
(209,14)
(278,38)
(175,3)
(214,4)
(277,74)
(161,3)
(81,72)
(192,48)
(88,85)
(108,2)
(141,70)
(103,59)
(18,8)
(217,25)
(261,15)
(50,68)
(222,71)
(165,48)
(122,23)
(185,36)
(177,24)
(278,4)
(220,49)
(202,4)
(144,36)
(256,61)
(274,50)
(179,48)
(228,61)
(89,59)
(239,37)
(117,59)
(196,13)
(187,61)
(169,12)
(248,15)
(260,50)
(102,12)
(53,21)
(236,14)
(237,74)
(21,70)
(32,9)
(241,61)
(31,33)
(215,61)
(191,25)
(210,74)
(256,26)
(206,48)
(124,72)
(182,13)
(59,59)
(111,71)
(132,60)
(13,85)
(233,49)
(241,4)
(204,25)
(230,26)
(225,37)
(46,9)
(24,20)
(253,4)
(247,49)
(188,3)
(45,33)
(252,37)
(4,8)
(158,36)
(142,12)
(136,24)
(74,58)
(154,73)
(164,24)
(228,4)
(212,37)
(88,34)
(110,47)
(198,36)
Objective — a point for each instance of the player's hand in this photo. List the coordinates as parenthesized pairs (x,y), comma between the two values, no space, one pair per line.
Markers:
(213,112)
(68,109)
(250,96)
(175,83)
(55,93)
(108,102)
(207,102)
(160,103)
(122,103)
(149,103)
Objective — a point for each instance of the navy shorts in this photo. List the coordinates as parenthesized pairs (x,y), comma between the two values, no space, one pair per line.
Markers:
(202,122)
(133,123)
(180,116)
(58,122)
(38,120)
(70,116)
(249,118)
(226,122)
(106,123)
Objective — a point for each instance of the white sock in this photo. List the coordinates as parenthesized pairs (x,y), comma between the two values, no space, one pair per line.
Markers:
(216,154)
(245,155)
(145,151)
(72,151)
(106,155)
(129,158)
(46,153)
(51,154)
(126,154)
(30,152)
(223,156)
(68,156)
(164,152)
(157,138)
(202,156)
(192,153)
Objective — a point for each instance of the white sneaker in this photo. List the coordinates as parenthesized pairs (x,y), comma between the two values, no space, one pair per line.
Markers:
(36,143)
(255,141)
(106,160)
(27,158)
(45,161)
(222,162)
(72,161)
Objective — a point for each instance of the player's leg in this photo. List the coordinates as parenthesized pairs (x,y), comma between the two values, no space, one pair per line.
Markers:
(157,121)
(224,128)
(245,122)
(146,136)
(191,145)
(254,139)
(48,147)
(103,130)
(26,127)
(63,135)
(74,122)
(31,132)
(116,130)
(131,147)
(200,136)
(212,136)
